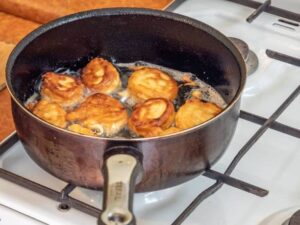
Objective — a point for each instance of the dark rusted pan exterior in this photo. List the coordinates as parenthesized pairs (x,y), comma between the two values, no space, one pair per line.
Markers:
(126,35)
(166,161)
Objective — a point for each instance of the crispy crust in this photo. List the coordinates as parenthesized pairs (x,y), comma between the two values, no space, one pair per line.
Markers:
(51,112)
(195,112)
(62,89)
(146,83)
(81,130)
(170,130)
(101,113)
(151,117)
(101,76)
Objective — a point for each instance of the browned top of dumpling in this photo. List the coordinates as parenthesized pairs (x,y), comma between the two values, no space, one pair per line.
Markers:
(101,76)
(151,117)
(62,89)
(101,113)
(51,112)
(146,83)
(195,112)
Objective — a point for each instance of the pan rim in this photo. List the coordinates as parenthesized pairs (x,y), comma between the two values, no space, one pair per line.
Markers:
(127,11)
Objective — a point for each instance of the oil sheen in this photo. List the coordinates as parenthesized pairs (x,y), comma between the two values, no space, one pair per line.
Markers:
(186,91)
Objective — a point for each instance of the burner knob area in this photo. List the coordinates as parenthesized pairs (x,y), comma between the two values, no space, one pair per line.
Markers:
(241,46)
(249,56)
(295,219)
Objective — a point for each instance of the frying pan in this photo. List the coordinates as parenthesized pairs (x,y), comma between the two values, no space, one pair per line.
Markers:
(119,165)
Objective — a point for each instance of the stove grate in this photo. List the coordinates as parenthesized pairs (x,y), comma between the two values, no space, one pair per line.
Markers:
(263,7)
(215,187)
(271,9)
(283,58)
(275,125)
(62,197)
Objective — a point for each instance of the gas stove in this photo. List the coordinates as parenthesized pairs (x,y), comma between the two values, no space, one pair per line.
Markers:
(268,131)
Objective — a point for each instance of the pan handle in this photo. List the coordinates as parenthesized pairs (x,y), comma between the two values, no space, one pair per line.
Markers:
(122,170)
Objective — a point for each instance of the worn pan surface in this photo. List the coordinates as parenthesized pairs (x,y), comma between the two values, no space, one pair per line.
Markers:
(127,35)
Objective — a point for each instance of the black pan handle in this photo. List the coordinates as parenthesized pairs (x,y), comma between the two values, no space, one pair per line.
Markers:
(122,170)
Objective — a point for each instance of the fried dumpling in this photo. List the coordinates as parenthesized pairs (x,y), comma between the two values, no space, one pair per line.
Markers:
(99,75)
(151,117)
(195,112)
(100,113)
(146,83)
(51,112)
(170,130)
(81,130)
(63,89)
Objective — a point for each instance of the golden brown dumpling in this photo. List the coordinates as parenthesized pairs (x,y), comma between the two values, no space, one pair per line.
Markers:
(51,112)
(170,130)
(101,113)
(81,130)
(146,83)
(151,117)
(99,75)
(62,89)
(195,112)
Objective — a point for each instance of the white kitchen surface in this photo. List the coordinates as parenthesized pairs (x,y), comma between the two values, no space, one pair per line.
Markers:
(9,216)
(273,162)
(290,5)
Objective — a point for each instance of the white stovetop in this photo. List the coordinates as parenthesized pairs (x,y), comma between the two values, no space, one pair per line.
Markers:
(272,163)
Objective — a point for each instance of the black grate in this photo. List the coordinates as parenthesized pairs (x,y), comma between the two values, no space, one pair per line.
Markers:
(263,7)
(269,9)
(283,58)
(215,187)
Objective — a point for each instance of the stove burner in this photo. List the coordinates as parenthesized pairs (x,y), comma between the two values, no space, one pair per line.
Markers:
(242,47)
(249,56)
(251,63)
(294,220)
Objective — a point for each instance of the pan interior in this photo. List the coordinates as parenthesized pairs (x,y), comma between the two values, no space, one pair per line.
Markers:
(124,38)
